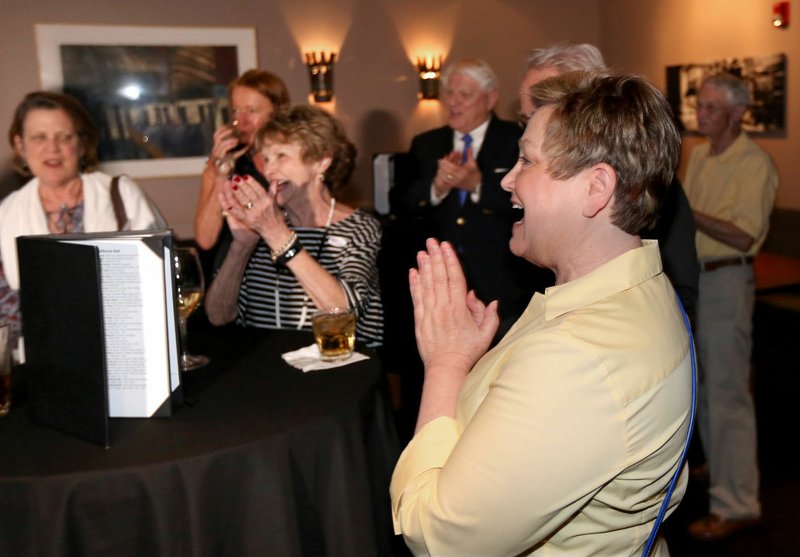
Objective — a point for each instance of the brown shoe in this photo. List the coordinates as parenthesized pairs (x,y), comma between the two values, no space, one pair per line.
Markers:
(714,528)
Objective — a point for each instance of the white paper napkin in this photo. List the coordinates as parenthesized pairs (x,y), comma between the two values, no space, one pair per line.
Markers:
(308,359)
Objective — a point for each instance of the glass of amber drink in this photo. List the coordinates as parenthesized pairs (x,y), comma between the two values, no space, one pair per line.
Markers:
(335,333)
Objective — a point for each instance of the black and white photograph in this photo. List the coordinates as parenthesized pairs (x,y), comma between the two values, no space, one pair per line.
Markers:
(156,94)
(765,75)
(151,102)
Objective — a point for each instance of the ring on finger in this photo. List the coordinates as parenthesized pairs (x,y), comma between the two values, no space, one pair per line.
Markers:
(248,205)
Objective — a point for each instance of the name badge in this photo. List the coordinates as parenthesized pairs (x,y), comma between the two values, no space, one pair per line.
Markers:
(337,241)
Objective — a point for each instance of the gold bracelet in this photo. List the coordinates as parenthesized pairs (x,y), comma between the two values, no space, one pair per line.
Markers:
(277,253)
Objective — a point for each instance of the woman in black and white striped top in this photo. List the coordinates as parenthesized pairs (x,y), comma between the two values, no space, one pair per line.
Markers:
(295,249)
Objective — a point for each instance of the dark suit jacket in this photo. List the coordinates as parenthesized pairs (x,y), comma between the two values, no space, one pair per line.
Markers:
(675,232)
(480,231)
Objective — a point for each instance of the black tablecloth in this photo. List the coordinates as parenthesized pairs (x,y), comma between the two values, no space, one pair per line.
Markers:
(264,460)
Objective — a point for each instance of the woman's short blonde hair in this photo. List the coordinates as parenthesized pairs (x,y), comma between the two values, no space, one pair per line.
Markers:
(622,121)
(319,135)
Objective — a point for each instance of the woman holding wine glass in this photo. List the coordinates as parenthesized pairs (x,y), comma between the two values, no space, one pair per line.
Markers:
(295,248)
(253,97)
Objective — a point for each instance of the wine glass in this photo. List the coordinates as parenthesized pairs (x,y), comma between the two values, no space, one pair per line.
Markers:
(190,287)
(228,162)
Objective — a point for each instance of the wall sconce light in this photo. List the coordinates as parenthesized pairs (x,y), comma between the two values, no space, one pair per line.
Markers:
(429,71)
(780,15)
(320,71)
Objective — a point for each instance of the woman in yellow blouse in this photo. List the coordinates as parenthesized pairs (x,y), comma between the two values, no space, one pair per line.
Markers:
(563,438)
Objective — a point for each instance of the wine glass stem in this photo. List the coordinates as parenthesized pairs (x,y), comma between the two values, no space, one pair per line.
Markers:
(184,345)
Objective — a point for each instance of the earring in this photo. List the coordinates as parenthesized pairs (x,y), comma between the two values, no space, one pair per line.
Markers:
(321,177)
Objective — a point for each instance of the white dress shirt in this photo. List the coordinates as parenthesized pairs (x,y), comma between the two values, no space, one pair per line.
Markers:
(478,134)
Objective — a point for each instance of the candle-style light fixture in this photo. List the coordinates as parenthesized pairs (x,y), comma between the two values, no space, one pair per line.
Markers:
(320,72)
(780,15)
(429,71)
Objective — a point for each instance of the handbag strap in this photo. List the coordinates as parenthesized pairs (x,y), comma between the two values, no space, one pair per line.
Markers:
(692,412)
(117,203)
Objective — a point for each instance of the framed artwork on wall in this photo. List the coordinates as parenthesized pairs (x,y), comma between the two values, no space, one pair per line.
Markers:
(766,79)
(156,94)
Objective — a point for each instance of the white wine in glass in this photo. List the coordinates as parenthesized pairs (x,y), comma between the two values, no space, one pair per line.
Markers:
(190,287)
(188,300)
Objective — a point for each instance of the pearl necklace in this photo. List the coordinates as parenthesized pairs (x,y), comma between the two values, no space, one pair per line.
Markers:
(304,311)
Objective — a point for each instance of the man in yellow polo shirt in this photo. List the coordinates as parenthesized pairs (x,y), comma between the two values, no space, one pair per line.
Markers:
(731,186)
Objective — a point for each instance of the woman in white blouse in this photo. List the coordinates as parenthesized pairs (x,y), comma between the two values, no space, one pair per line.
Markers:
(55,145)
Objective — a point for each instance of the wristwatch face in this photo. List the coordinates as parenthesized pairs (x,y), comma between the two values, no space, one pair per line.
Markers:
(282,258)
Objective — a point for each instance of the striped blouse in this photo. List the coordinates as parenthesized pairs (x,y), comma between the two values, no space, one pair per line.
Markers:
(271,298)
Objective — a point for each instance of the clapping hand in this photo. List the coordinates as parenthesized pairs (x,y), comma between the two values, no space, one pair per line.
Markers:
(453,327)
(451,173)
(236,199)
(248,205)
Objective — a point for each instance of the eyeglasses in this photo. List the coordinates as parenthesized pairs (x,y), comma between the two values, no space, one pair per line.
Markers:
(60,139)
(709,107)
(245,110)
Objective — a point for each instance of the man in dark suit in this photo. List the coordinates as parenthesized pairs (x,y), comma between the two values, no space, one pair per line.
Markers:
(449,188)
(675,229)
(451,183)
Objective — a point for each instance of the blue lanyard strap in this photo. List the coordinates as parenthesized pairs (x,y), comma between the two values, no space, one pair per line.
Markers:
(660,518)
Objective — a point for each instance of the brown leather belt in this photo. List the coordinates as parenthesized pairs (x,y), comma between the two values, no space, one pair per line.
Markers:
(727,262)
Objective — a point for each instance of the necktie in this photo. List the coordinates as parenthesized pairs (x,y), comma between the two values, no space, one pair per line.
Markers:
(467,139)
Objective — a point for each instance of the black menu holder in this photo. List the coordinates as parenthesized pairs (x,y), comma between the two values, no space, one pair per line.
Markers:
(63,329)
(100,328)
